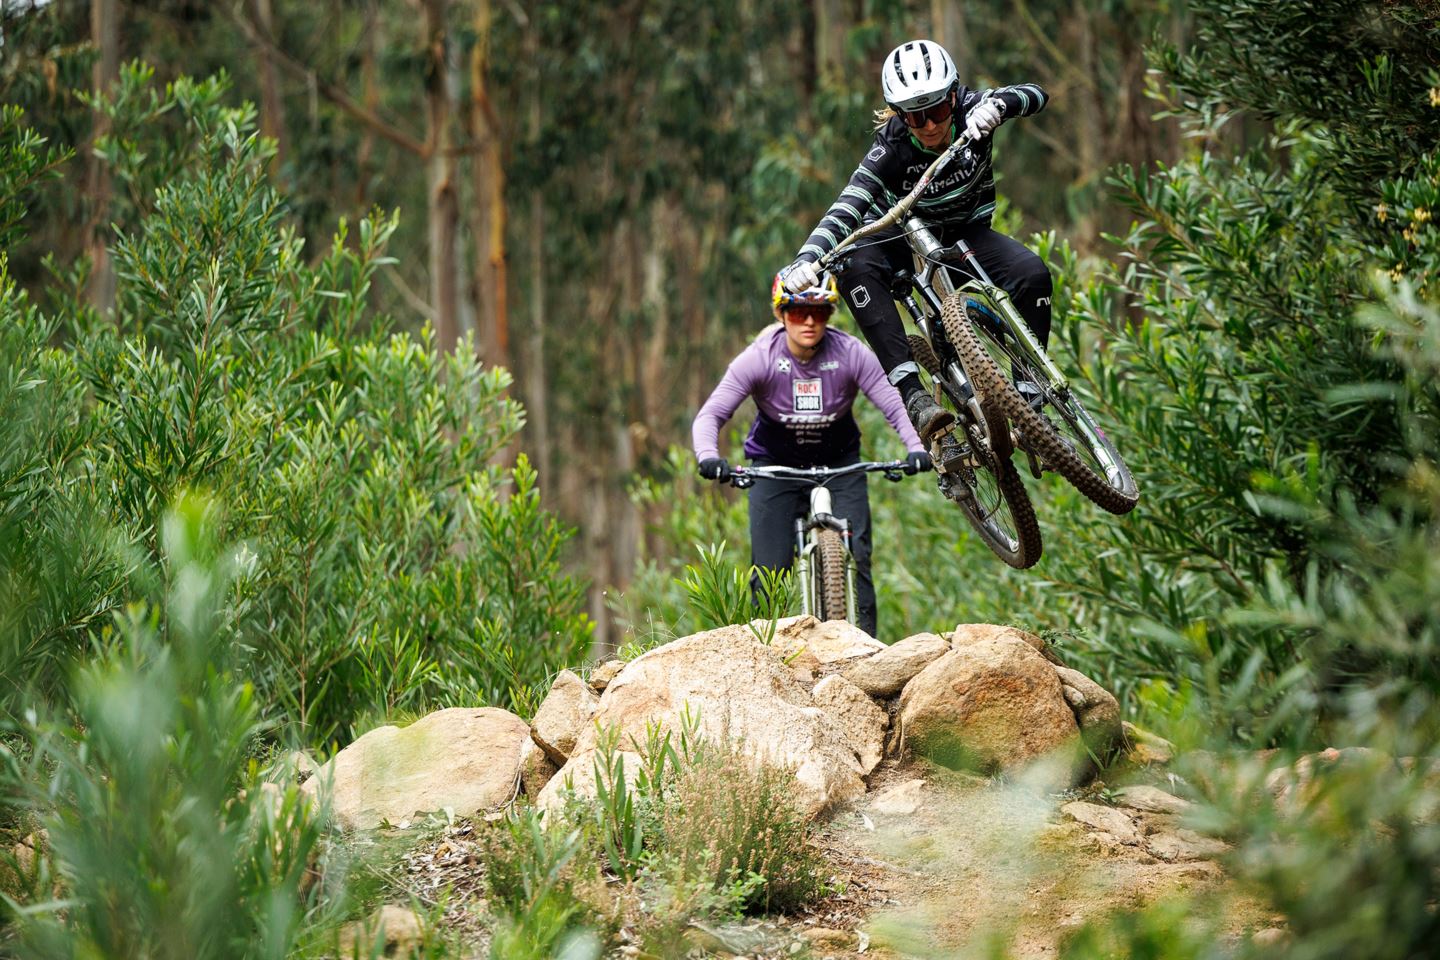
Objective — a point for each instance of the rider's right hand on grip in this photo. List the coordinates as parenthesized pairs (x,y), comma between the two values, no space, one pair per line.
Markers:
(715,468)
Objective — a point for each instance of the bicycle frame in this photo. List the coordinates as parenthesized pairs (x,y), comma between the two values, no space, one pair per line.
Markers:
(932,258)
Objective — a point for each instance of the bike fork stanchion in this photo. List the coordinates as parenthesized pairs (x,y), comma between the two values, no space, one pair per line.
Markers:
(803,570)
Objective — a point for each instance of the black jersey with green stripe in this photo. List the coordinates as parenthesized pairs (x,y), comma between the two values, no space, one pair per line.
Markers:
(963,192)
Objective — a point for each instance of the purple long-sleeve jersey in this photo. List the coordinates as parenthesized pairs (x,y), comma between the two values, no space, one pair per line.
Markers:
(805,417)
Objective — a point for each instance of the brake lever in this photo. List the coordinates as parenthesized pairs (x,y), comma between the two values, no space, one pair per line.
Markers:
(894,475)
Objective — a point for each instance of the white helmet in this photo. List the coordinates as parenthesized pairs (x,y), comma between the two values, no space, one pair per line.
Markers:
(917,74)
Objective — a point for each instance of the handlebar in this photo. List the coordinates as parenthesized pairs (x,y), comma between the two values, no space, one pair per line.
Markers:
(902,207)
(743,477)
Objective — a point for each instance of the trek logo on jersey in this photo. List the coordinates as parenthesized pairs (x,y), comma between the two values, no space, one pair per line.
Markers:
(808,396)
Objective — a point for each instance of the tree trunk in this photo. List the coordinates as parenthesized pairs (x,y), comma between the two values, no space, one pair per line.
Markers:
(490,269)
(537,391)
(272,107)
(370,92)
(442,204)
(105,34)
(830,26)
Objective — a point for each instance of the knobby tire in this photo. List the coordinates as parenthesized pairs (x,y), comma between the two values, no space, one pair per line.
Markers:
(1027,546)
(829,566)
(1041,435)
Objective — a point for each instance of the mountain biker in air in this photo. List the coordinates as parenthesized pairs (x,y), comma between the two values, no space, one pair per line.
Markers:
(804,379)
(926,108)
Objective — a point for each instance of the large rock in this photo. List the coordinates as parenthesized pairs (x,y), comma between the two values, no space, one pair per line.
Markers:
(1097,712)
(463,759)
(967,633)
(563,715)
(885,673)
(992,704)
(862,722)
(833,641)
(740,690)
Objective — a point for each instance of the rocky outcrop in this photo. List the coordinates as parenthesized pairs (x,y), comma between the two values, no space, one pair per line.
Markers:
(992,704)
(885,673)
(1097,712)
(563,716)
(833,641)
(741,691)
(967,633)
(860,720)
(466,760)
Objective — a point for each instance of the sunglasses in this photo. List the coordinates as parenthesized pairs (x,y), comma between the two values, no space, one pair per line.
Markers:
(808,314)
(937,113)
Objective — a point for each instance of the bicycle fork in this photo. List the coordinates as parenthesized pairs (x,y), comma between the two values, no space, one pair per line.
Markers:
(821,514)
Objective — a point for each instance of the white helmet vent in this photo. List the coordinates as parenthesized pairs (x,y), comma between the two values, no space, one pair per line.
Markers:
(917,74)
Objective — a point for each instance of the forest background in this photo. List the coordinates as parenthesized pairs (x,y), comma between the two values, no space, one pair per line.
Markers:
(218,333)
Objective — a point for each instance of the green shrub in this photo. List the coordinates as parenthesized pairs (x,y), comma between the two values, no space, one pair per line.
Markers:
(153,848)
(544,892)
(730,823)
(390,565)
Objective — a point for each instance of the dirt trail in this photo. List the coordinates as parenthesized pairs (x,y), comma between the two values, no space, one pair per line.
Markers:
(977,860)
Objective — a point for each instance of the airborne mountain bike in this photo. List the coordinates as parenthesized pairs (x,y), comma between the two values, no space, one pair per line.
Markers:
(824,565)
(968,335)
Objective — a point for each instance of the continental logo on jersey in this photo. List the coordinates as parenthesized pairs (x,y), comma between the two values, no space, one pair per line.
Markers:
(808,396)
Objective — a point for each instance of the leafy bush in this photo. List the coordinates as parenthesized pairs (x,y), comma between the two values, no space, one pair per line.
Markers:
(730,823)
(393,566)
(151,849)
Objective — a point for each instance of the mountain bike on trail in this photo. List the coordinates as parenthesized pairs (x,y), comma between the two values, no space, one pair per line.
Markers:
(824,566)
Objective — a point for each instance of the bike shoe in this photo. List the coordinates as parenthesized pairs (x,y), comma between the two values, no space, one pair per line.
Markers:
(928,416)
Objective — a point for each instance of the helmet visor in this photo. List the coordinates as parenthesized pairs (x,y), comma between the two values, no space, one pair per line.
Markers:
(937,113)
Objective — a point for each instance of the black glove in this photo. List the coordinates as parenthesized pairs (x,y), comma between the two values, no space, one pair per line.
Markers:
(916,461)
(715,468)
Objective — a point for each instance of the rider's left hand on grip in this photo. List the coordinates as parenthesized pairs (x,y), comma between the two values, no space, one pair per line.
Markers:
(917,461)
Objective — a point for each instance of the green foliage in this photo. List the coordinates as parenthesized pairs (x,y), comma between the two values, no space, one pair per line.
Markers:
(536,876)
(388,564)
(153,851)
(720,594)
(731,824)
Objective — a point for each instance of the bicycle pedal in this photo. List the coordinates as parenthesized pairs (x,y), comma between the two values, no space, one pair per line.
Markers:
(949,455)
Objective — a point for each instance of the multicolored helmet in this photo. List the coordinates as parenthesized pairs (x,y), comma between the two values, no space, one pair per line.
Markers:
(823,294)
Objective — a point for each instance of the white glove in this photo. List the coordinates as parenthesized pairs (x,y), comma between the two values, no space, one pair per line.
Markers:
(801,276)
(984,117)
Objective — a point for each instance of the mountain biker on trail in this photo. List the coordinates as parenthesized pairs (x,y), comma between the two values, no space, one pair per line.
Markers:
(927,107)
(804,379)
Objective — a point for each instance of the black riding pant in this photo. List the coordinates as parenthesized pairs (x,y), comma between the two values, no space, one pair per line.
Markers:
(865,283)
(776,504)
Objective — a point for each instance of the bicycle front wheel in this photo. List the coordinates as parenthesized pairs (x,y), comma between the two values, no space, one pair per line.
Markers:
(1071,444)
(829,567)
(980,477)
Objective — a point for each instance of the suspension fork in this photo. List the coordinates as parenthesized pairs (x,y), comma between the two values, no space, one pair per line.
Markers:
(803,567)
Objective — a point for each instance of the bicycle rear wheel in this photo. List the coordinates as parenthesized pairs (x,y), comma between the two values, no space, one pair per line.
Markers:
(1072,445)
(984,482)
(829,566)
